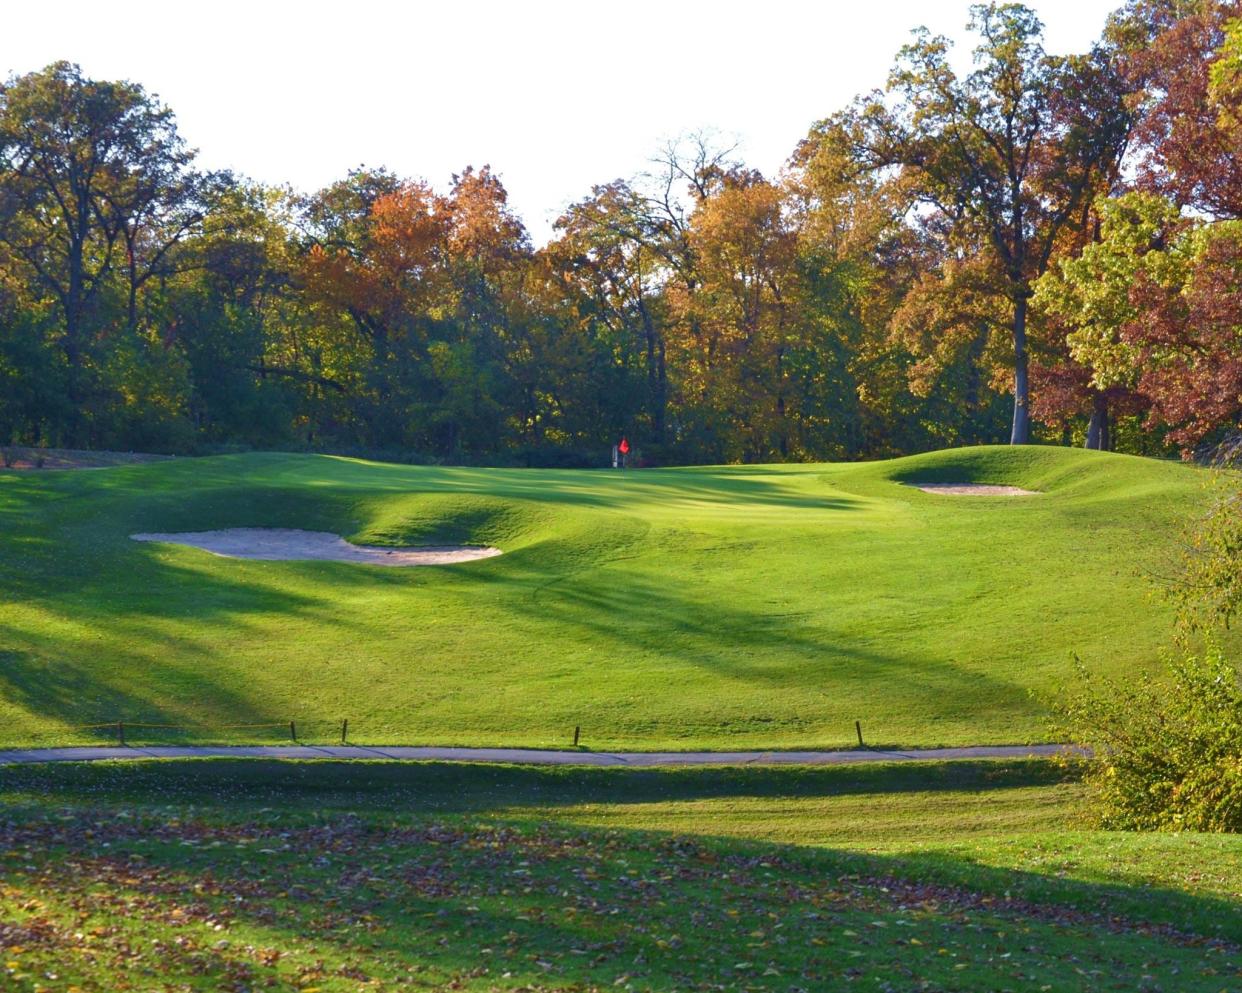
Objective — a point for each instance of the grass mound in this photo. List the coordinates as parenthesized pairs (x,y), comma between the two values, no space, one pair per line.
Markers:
(456,519)
(1067,472)
(725,607)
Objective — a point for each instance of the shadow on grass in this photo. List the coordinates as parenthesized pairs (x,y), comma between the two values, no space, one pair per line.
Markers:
(462,788)
(63,691)
(393,881)
(66,693)
(328,478)
(163,622)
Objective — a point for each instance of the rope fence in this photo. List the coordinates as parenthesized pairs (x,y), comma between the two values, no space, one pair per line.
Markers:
(131,732)
(316,731)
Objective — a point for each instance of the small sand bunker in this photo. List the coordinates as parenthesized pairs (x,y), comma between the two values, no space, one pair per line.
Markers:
(289,543)
(972,489)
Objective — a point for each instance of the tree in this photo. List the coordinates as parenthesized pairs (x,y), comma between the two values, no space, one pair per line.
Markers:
(1156,308)
(628,250)
(1007,155)
(33,404)
(487,258)
(167,204)
(852,254)
(88,170)
(436,291)
(380,270)
(1182,59)
(731,340)
(1188,338)
(1225,75)
(258,369)
(614,265)
(1089,296)
(1145,303)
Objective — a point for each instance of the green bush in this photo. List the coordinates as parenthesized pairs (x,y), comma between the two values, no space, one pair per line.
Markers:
(1166,753)
(1208,593)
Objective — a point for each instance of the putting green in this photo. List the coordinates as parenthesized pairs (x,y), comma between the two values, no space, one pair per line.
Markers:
(717,607)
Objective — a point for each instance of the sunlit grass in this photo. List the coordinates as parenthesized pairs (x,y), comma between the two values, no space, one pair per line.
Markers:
(753,606)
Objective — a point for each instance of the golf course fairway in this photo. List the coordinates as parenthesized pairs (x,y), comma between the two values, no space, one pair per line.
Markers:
(712,607)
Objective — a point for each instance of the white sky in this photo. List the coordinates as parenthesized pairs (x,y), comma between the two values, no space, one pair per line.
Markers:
(556,95)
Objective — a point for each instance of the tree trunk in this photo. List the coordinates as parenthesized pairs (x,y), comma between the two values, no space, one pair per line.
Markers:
(1021,433)
(1098,428)
(132,270)
(661,402)
(73,308)
(655,372)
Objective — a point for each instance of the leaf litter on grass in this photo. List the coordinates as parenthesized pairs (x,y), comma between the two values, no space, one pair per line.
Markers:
(101,899)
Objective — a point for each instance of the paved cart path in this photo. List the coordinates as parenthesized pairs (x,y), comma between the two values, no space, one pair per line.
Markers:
(530,756)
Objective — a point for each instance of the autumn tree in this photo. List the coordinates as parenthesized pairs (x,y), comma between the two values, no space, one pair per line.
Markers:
(1152,302)
(731,338)
(435,289)
(628,250)
(484,309)
(874,297)
(1181,60)
(1003,153)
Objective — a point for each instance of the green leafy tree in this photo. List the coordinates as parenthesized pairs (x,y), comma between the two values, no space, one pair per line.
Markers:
(613,264)
(87,170)
(1091,292)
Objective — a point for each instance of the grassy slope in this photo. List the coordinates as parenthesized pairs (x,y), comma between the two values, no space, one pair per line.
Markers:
(227,875)
(708,607)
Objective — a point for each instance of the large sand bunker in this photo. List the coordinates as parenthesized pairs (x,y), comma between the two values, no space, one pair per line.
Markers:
(972,489)
(289,543)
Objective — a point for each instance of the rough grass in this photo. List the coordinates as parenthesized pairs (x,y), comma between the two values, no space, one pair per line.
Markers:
(227,875)
(19,457)
(766,606)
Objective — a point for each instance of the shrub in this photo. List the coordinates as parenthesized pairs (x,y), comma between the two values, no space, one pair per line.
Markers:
(1209,591)
(1166,753)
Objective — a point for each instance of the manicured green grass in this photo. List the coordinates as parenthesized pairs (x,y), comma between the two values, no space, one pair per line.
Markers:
(765,606)
(232,875)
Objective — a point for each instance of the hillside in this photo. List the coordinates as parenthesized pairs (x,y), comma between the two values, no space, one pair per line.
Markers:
(758,606)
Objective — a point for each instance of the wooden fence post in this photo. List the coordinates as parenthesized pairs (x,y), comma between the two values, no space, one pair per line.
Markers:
(858,728)
(293,731)
(577,731)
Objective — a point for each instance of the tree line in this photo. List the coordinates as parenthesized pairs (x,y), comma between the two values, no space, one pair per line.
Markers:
(1042,248)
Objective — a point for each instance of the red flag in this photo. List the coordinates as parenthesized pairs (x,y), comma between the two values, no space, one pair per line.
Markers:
(624,447)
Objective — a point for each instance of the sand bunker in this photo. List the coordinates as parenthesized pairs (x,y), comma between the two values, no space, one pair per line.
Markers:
(288,543)
(972,489)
